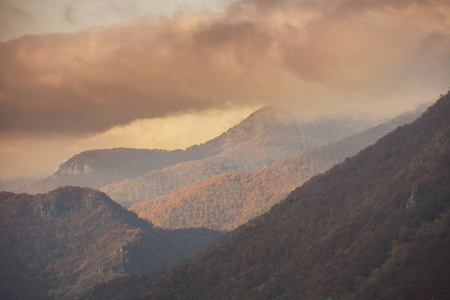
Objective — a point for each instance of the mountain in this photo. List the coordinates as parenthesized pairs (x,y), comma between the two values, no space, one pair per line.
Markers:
(376,226)
(59,244)
(258,141)
(228,200)
(126,174)
(96,168)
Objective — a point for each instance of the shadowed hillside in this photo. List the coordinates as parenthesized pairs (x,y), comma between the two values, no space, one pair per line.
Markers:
(56,245)
(376,226)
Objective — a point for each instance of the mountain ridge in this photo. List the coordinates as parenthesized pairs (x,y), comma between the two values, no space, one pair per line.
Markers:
(58,244)
(345,234)
(228,200)
(130,175)
(74,170)
(273,140)
(376,226)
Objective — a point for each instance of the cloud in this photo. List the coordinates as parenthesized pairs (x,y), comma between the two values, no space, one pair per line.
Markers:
(90,81)
(19,17)
(13,19)
(98,12)
(319,55)
(360,45)
(172,82)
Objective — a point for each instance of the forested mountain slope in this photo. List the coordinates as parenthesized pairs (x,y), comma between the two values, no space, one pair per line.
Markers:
(228,200)
(57,245)
(265,136)
(96,168)
(255,143)
(376,226)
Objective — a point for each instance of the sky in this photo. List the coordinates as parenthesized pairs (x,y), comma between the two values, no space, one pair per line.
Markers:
(80,74)
(20,17)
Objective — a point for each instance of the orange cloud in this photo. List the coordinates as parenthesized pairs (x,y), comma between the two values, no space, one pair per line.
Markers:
(312,53)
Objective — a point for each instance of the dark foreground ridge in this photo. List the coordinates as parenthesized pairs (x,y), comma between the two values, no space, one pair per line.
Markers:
(374,227)
(59,244)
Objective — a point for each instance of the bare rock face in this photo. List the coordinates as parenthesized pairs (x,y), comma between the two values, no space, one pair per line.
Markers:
(415,198)
(74,168)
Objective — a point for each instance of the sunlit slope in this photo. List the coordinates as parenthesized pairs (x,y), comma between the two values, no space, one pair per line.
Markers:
(374,227)
(264,137)
(228,200)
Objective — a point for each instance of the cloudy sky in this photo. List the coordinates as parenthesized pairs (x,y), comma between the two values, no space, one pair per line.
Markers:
(79,74)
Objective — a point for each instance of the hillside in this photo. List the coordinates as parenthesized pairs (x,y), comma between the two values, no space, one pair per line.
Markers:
(228,200)
(376,226)
(264,136)
(96,168)
(254,144)
(57,245)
